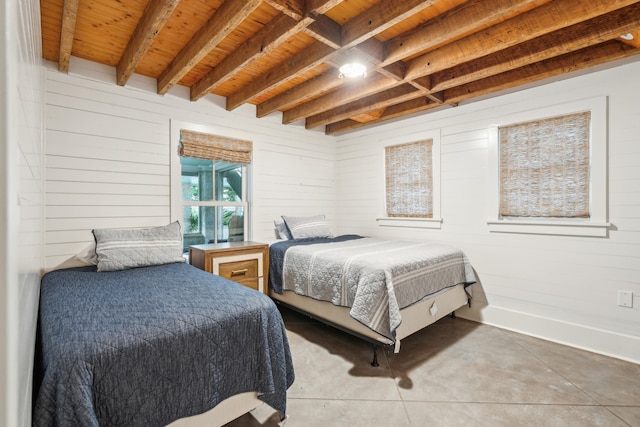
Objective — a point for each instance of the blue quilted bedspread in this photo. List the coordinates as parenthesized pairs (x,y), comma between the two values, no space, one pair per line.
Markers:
(146,346)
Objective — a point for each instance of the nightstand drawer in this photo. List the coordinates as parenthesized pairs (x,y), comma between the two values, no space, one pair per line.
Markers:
(239,270)
(250,283)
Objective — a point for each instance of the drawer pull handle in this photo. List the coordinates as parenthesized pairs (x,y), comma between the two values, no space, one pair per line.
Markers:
(239,272)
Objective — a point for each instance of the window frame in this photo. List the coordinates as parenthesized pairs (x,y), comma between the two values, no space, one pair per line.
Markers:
(176,201)
(595,226)
(435,222)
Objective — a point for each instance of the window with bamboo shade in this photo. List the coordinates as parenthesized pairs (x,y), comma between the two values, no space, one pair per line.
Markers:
(212,185)
(544,167)
(409,179)
(548,169)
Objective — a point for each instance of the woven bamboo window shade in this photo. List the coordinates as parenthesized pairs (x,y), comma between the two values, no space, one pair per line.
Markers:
(409,180)
(544,167)
(213,147)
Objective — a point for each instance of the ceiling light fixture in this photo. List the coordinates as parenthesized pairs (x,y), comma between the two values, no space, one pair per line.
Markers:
(352,70)
(627,36)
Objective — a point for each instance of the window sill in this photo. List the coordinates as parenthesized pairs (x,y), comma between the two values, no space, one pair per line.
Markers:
(435,223)
(560,228)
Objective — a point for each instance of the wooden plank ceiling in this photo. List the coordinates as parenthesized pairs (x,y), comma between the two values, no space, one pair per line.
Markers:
(284,55)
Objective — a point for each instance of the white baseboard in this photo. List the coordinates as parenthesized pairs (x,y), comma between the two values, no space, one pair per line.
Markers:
(608,343)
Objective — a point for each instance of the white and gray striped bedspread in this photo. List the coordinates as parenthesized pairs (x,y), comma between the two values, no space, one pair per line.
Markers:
(376,278)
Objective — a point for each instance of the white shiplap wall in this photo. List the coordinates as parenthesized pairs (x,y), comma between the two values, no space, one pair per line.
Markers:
(21,203)
(108,157)
(556,287)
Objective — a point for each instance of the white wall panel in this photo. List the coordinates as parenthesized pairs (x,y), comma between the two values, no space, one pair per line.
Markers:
(97,147)
(109,155)
(100,165)
(74,199)
(93,188)
(21,205)
(557,287)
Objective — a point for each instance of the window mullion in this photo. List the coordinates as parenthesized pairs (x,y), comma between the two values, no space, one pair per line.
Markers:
(214,203)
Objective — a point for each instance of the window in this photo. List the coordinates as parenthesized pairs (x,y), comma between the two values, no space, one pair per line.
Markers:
(408,179)
(212,173)
(412,181)
(544,167)
(549,172)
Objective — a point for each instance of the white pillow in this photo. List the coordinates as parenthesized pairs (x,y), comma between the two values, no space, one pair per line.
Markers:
(310,226)
(84,258)
(88,254)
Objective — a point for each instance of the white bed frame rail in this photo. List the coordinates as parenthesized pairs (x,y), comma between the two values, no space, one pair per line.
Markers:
(226,411)
(414,317)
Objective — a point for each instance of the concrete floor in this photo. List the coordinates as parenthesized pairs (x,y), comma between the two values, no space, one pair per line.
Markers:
(453,373)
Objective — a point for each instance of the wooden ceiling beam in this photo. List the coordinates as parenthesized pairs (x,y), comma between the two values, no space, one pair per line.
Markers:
(384,14)
(67,30)
(150,24)
(323,103)
(345,126)
(311,56)
(359,29)
(475,49)
(380,17)
(423,84)
(261,43)
(370,49)
(301,93)
(382,100)
(461,17)
(352,91)
(409,107)
(452,24)
(571,62)
(305,60)
(368,117)
(294,9)
(404,108)
(391,100)
(267,39)
(326,31)
(321,6)
(437,97)
(534,23)
(228,16)
(384,79)
(396,71)
(576,37)
(364,105)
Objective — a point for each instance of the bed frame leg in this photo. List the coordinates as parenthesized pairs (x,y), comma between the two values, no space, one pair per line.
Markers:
(375,356)
(453,315)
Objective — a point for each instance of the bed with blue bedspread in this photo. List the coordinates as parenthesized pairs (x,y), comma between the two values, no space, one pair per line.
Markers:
(147,346)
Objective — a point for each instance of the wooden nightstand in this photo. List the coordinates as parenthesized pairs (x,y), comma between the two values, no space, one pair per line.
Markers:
(243,262)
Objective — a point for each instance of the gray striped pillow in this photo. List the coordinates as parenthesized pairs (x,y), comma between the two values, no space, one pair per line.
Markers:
(120,249)
(310,226)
